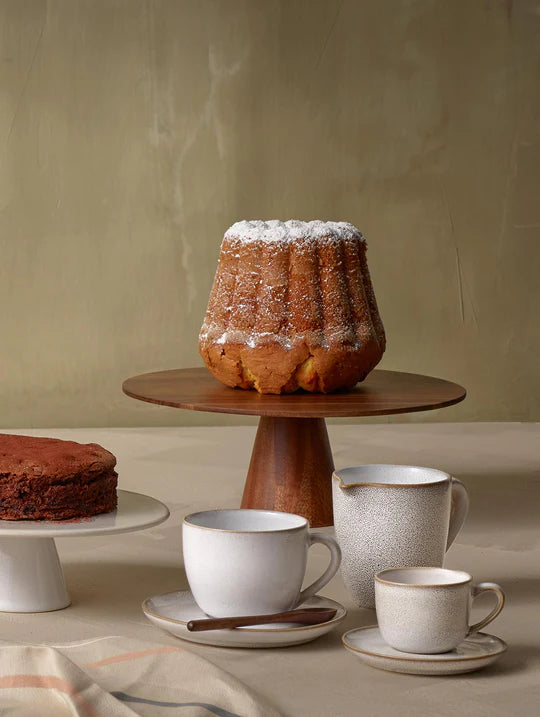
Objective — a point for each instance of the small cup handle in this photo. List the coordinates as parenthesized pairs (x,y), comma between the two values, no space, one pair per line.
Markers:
(484,587)
(331,570)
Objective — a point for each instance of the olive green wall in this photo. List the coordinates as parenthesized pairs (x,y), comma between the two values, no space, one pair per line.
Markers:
(133,133)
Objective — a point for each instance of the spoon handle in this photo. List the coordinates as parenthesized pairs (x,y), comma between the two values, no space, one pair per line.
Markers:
(304,616)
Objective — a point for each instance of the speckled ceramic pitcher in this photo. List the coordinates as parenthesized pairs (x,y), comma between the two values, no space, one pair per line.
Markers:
(389,516)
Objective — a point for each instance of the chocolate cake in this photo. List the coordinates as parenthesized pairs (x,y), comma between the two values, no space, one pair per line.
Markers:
(50,479)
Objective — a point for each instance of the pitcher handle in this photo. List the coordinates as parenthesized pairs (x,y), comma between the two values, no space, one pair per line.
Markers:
(458,510)
(331,570)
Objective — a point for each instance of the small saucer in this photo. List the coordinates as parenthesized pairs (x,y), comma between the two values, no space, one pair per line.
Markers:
(172,612)
(477,651)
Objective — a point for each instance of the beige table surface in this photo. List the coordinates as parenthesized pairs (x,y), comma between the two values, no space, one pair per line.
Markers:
(199,468)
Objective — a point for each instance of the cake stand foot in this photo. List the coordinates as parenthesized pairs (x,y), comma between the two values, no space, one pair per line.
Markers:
(291,469)
(31,577)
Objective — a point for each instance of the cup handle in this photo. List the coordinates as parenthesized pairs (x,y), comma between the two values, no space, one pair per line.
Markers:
(458,510)
(331,570)
(483,587)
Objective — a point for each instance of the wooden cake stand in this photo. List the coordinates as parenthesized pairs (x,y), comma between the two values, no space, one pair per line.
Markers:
(291,463)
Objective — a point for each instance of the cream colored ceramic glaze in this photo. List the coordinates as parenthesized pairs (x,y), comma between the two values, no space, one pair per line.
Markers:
(475,652)
(388,515)
(172,612)
(251,562)
(426,610)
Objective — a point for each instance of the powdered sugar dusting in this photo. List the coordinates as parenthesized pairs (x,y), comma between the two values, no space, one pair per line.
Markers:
(292,230)
(286,294)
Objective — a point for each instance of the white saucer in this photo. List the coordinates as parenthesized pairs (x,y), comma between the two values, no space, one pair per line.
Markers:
(172,612)
(477,651)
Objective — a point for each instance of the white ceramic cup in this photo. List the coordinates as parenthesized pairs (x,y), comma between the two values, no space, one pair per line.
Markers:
(251,562)
(426,610)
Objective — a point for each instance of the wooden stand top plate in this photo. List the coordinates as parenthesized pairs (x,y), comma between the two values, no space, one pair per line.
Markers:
(382,393)
(291,463)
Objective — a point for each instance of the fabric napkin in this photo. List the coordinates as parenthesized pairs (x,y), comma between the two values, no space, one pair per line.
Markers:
(117,677)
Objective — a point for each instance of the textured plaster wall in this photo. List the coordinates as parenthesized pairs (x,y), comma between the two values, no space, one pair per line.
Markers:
(133,133)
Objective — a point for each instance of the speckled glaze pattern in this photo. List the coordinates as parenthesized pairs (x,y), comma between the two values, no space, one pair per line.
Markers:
(474,653)
(404,523)
(426,610)
(423,619)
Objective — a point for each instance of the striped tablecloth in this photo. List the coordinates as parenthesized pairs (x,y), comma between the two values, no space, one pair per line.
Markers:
(117,677)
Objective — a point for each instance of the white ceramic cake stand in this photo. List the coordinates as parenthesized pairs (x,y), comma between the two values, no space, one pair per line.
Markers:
(31,576)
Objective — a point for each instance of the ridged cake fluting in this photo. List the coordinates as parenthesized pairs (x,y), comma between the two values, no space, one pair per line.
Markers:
(292,306)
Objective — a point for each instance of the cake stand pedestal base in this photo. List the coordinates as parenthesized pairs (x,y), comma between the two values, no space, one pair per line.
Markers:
(31,576)
(291,465)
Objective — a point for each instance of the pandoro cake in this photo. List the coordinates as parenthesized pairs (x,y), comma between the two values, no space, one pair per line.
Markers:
(50,479)
(292,307)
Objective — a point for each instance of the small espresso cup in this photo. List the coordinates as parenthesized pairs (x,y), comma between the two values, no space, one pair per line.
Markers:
(426,610)
(251,562)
